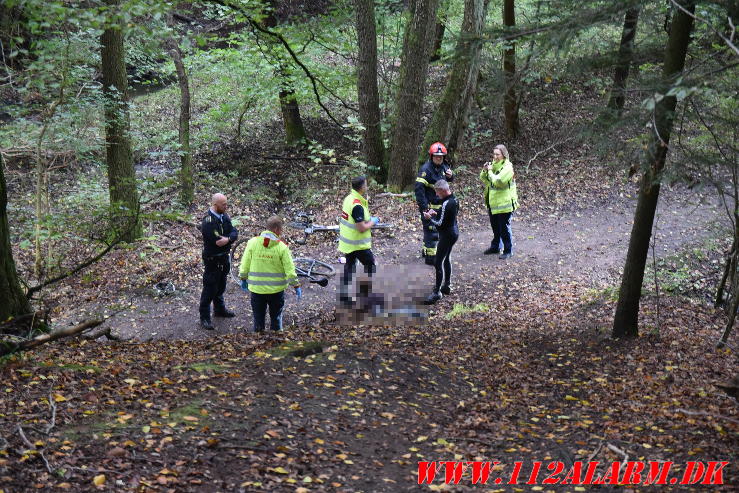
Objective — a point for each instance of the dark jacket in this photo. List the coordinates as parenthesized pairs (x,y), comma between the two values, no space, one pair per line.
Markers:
(427,176)
(445,219)
(212,229)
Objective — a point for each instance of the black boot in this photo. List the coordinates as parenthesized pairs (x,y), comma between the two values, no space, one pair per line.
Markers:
(446,290)
(224,313)
(432,298)
(206,324)
(492,250)
(430,259)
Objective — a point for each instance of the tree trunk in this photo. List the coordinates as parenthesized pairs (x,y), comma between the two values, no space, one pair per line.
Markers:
(187,182)
(626,319)
(448,123)
(12,300)
(625,56)
(367,92)
(294,130)
(438,41)
(510,103)
(124,198)
(417,43)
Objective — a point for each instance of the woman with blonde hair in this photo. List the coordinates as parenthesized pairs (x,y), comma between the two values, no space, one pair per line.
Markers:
(501,200)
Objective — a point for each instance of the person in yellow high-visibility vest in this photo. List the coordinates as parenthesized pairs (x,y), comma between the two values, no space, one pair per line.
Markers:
(355,237)
(267,268)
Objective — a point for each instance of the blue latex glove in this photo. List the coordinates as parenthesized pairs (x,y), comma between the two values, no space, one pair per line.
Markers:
(299,293)
(375,219)
(244,285)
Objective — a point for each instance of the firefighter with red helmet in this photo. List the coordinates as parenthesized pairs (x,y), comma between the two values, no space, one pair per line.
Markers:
(434,169)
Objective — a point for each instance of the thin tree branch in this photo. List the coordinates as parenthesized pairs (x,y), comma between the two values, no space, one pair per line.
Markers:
(313,80)
(728,41)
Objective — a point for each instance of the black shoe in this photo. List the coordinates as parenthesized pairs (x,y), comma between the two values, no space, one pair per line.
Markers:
(432,298)
(430,259)
(491,251)
(505,256)
(446,290)
(206,324)
(225,313)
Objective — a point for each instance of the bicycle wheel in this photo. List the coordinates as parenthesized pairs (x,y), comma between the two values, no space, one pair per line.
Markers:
(314,267)
(237,251)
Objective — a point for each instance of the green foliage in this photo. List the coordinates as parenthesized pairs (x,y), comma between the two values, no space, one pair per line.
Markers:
(461,309)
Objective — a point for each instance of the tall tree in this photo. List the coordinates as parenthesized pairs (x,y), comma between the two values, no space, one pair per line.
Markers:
(367,92)
(448,123)
(510,103)
(12,300)
(625,57)
(187,182)
(124,197)
(291,119)
(626,319)
(417,43)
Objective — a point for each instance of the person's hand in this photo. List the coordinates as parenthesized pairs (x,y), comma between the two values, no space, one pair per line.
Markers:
(375,220)
(244,285)
(432,212)
(222,241)
(448,173)
(488,166)
(299,292)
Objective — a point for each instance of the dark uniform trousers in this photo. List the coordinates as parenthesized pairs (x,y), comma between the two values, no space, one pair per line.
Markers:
(430,235)
(214,284)
(364,257)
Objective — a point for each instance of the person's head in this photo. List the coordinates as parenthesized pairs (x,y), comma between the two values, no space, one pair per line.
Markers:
(500,152)
(219,203)
(442,190)
(437,151)
(360,184)
(274,224)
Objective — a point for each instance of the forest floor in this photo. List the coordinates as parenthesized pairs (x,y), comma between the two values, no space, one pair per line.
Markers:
(516,365)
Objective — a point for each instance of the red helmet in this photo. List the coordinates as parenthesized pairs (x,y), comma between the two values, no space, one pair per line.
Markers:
(437,149)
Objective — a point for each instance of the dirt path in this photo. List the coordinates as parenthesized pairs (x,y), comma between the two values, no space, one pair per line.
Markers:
(585,245)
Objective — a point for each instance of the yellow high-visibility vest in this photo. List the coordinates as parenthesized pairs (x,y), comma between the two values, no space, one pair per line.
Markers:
(267,265)
(350,239)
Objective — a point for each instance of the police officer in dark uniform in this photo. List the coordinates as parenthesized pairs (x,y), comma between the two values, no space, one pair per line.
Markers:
(218,236)
(433,170)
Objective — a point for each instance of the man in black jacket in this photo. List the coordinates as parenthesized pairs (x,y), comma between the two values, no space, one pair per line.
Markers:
(218,236)
(445,222)
(433,170)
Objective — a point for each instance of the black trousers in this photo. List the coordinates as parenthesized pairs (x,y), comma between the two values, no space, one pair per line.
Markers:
(366,258)
(501,226)
(215,274)
(259,304)
(443,263)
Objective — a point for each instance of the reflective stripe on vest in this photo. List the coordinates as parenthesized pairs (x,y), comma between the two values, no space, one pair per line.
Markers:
(355,242)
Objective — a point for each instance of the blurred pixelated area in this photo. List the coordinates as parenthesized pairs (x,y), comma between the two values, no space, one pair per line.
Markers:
(393,296)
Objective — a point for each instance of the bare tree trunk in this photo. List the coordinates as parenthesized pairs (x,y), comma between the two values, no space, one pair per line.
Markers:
(367,92)
(124,197)
(417,43)
(12,300)
(510,103)
(294,130)
(450,115)
(625,56)
(187,182)
(626,319)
